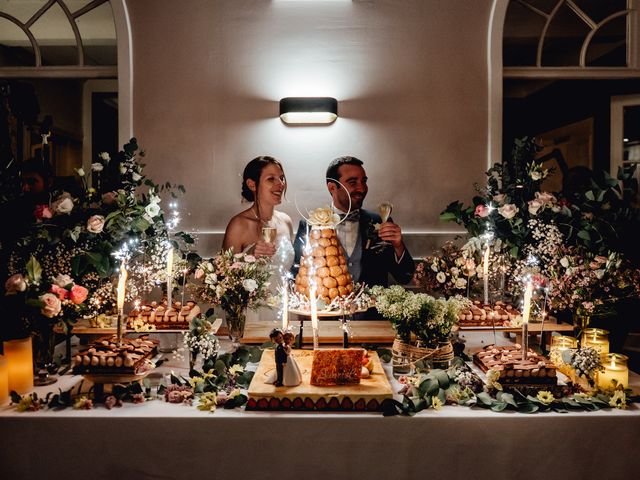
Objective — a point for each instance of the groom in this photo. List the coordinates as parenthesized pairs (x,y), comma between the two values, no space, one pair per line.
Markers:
(361,235)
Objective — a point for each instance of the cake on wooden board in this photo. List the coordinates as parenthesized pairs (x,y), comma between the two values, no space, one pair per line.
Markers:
(105,356)
(367,396)
(514,370)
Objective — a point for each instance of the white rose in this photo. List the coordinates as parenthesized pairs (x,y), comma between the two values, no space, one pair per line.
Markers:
(80,171)
(441,277)
(135,176)
(455,271)
(461,283)
(545,197)
(62,280)
(152,210)
(508,211)
(97,167)
(104,156)
(15,283)
(95,224)
(249,284)
(499,198)
(564,261)
(51,305)
(63,204)
(535,175)
(534,206)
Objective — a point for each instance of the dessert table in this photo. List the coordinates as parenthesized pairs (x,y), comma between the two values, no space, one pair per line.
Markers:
(157,440)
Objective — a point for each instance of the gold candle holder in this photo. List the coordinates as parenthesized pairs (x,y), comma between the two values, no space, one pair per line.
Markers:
(597,339)
(560,344)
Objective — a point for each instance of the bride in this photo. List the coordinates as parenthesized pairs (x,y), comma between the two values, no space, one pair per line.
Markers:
(261,229)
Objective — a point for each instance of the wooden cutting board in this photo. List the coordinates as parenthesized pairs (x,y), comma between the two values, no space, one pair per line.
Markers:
(329,332)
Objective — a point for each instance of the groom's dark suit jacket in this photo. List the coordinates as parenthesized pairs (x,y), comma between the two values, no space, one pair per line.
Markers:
(375,265)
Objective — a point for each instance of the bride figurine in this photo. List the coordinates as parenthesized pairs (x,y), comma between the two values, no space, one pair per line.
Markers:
(291,376)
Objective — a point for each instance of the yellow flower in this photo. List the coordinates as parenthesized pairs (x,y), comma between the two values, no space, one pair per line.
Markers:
(234,393)
(545,396)
(25,404)
(492,379)
(208,402)
(619,399)
(235,369)
(194,381)
(436,403)
(208,374)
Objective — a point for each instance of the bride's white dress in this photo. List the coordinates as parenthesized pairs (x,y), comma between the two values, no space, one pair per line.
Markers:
(281,263)
(291,376)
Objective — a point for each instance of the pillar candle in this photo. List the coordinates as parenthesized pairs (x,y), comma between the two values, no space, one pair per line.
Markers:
(615,368)
(285,307)
(4,382)
(485,275)
(19,357)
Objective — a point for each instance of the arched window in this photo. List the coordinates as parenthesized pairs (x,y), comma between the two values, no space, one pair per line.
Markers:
(581,37)
(58,38)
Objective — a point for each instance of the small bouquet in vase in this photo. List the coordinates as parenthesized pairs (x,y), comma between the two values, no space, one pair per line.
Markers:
(235,282)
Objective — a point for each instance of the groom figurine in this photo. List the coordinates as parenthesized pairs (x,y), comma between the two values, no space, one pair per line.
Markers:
(362,234)
(281,355)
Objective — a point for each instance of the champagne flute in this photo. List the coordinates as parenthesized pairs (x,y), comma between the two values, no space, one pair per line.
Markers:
(269,232)
(385,212)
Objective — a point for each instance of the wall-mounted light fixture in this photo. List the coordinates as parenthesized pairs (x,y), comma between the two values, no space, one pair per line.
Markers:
(308,110)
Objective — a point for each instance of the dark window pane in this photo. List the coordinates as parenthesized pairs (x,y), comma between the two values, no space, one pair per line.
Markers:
(608,47)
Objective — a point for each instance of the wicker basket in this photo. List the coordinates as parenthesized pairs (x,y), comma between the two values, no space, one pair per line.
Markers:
(405,353)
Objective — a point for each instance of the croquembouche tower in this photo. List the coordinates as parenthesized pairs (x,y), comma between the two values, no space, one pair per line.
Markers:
(324,263)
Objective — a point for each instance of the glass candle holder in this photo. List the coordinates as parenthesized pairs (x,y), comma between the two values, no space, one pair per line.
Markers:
(597,339)
(616,371)
(560,344)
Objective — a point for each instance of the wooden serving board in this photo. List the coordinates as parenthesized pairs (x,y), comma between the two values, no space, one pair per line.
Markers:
(262,395)
(329,331)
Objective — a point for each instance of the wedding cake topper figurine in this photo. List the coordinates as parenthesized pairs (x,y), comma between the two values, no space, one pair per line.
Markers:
(277,337)
(287,371)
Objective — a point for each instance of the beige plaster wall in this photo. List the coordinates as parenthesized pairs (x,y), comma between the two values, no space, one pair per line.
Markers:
(410,77)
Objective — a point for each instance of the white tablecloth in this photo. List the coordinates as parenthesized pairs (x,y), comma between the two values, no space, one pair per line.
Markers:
(157,440)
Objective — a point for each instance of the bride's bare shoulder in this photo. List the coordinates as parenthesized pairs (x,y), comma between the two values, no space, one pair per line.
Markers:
(238,230)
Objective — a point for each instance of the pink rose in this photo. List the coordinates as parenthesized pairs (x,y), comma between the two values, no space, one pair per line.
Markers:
(62,293)
(508,211)
(199,273)
(52,305)
(78,294)
(109,198)
(482,211)
(95,224)
(42,211)
(15,283)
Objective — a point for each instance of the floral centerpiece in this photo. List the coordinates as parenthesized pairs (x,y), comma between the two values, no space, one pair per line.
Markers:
(84,234)
(423,324)
(235,282)
(449,271)
(532,228)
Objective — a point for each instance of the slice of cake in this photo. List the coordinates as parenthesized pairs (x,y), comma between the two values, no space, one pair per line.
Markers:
(105,356)
(514,370)
(337,366)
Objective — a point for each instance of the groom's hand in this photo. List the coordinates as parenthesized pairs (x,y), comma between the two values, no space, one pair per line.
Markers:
(390,232)
(264,249)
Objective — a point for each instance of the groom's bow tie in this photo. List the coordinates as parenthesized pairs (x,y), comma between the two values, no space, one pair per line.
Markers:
(354,216)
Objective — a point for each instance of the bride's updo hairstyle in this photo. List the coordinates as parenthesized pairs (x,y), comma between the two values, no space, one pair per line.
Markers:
(252,171)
